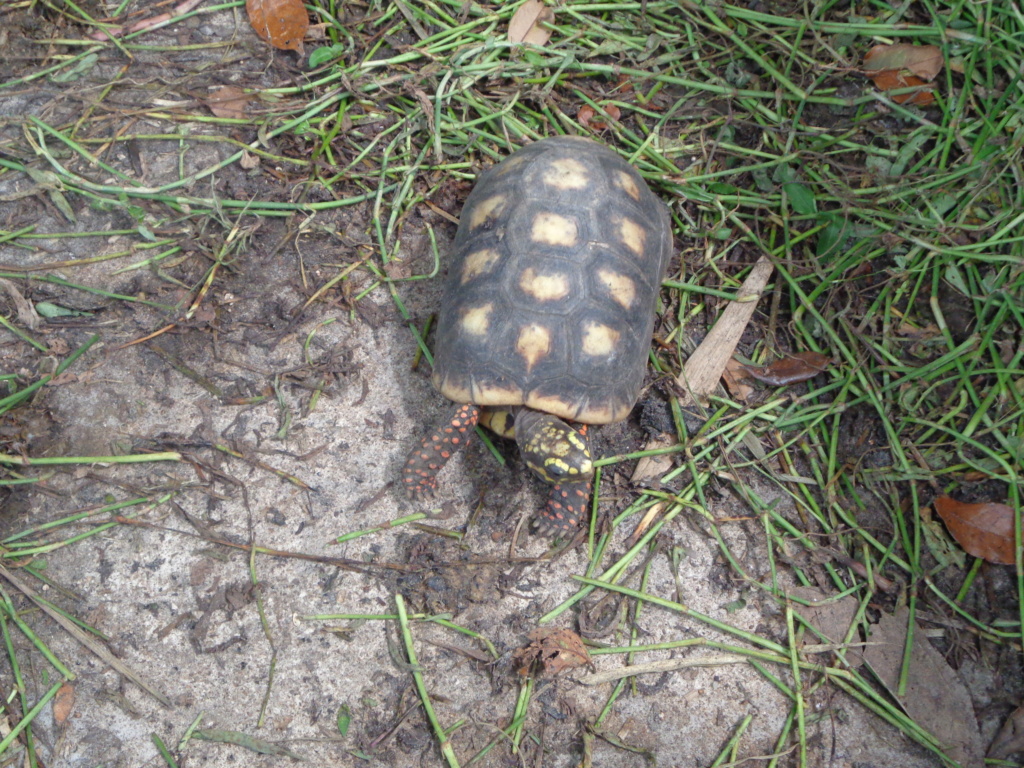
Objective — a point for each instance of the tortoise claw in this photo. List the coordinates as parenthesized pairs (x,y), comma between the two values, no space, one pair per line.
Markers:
(565,510)
(418,488)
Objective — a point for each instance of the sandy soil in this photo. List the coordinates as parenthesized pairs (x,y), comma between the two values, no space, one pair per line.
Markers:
(181,610)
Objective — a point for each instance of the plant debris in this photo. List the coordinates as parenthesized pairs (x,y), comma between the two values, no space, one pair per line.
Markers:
(555,650)
(527,24)
(983,530)
(902,66)
(791,369)
(282,23)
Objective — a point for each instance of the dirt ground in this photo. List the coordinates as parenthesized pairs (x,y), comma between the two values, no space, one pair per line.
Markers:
(180,609)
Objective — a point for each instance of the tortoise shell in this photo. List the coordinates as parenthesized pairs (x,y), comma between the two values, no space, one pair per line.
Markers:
(550,298)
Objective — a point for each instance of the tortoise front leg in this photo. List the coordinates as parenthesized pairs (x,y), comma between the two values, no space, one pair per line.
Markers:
(421,468)
(565,510)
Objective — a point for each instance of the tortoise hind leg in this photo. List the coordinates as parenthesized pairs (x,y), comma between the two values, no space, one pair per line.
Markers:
(419,476)
(566,508)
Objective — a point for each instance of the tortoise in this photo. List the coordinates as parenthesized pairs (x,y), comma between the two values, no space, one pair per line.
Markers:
(547,314)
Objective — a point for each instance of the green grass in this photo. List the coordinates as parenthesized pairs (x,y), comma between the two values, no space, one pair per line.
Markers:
(880,220)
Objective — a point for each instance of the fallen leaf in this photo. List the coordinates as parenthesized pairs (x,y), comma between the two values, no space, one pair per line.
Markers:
(983,530)
(935,696)
(587,113)
(248,160)
(63,703)
(1010,738)
(734,375)
(525,26)
(228,101)
(904,66)
(658,464)
(791,369)
(925,61)
(925,332)
(831,618)
(282,23)
(555,649)
(890,79)
(624,86)
(27,314)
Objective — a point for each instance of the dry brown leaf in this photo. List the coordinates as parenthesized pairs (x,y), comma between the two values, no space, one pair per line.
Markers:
(791,370)
(248,160)
(832,618)
(624,86)
(935,696)
(925,61)
(983,530)
(890,79)
(587,113)
(27,314)
(1010,739)
(525,26)
(927,331)
(63,703)
(282,23)
(554,649)
(228,101)
(903,66)
(733,377)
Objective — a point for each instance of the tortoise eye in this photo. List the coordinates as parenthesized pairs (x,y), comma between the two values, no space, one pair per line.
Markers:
(556,470)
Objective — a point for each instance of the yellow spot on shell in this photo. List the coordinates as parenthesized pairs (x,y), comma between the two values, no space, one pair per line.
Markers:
(632,235)
(628,184)
(599,340)
(621,288)
(479,263)
(477,320)
(566,173)
(553,229)
(486,210)
(534,343)
(544,287)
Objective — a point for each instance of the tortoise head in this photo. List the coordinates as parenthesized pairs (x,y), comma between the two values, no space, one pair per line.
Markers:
(551,448)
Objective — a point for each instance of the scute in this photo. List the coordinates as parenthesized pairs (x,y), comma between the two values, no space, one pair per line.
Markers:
(566,246)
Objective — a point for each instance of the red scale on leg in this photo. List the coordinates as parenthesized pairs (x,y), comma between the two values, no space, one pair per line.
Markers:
(420,472)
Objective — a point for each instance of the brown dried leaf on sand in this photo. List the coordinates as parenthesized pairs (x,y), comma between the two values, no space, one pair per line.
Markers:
(228,101)
(935,697)
(554,649)
(1010,739)
(831,618)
